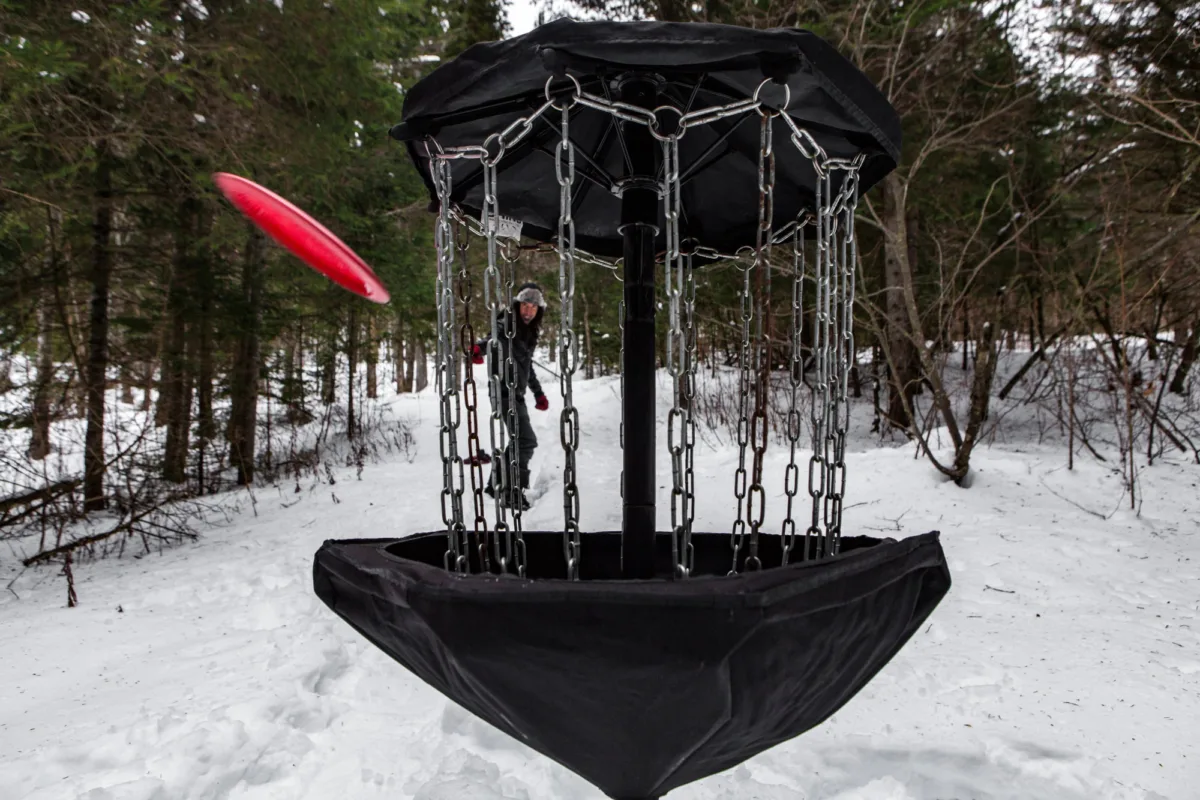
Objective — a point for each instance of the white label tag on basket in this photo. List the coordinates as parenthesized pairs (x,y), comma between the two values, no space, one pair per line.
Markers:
(508,228)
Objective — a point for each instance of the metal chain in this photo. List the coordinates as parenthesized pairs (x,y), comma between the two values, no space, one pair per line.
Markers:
(791,475)
(820,384)
(833,344)
(744,389)
(689,419)
(847,253)
(515,491)
(673,281)
(497,433)
(836,360)
(564,166)
(647,117)
(455,557)
(505,140)
(852,268)
(471,400)
(809,148)
(762,350)
(832,347)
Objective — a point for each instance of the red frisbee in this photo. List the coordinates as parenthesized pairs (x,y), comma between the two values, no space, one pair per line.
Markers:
(303,236)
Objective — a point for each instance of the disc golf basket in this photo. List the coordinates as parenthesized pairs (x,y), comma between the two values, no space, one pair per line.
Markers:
(644,660)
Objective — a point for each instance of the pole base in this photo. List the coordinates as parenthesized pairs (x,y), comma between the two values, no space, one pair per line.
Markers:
(637,542)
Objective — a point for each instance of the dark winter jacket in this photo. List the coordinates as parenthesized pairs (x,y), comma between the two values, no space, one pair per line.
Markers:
(524,342)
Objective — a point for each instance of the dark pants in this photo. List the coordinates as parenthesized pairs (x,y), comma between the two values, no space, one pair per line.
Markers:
(525,439)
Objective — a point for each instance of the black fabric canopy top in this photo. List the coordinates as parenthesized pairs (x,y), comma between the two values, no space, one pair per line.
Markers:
(695,66)
(640,686)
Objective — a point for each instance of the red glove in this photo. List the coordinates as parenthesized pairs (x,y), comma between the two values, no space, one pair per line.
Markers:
(477,354)
(542,403)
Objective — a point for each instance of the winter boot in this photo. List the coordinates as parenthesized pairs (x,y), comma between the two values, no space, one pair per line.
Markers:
(523,501)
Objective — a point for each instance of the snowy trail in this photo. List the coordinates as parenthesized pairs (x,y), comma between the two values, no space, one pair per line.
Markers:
(1065,663)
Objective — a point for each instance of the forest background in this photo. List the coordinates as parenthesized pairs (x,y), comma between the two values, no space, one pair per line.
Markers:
(1048,202)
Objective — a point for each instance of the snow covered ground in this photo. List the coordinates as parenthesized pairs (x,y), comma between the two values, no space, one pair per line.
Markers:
(1064,664)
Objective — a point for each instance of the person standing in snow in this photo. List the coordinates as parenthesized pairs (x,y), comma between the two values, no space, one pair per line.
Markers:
(526,313)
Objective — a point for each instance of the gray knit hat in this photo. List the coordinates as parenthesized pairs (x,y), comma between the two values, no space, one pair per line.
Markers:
(531,293)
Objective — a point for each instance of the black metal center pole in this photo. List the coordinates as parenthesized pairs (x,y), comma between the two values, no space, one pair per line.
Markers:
(639,212)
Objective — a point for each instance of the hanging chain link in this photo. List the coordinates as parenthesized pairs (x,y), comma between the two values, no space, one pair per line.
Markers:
(471,400)
(833,276)
(689,419)
(835,359)
(498,309)
(820,385)
(677,359)
(447,382)
(833,344)
(762,345)
(848,331)
(791,475)
(745,386)
(564,164)
(842,219)
(520,128)
(514,489)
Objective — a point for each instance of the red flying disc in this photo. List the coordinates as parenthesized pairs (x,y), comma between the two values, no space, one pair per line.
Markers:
(303,236)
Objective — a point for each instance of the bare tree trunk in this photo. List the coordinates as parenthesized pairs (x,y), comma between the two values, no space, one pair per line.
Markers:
(289,367)
(410,364)
(421,379)
(204,378)
(166,358)
(147,384)
(1070,407)
(1187,358)
(855,372)
(97,365)
(206,428)
(1039,310)
(243,415)
(127,383)
(174,398)
(191,356)
(928,368)
(966,339)
(150,369)
(902,356)
(293,389)
(69,320)
(1152,329)
(328,359)
(39,444)
(672,11)
(398,358)
(372,359)
(351,369)
(714,348)
(981,391)
(589,370)
(876,383)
